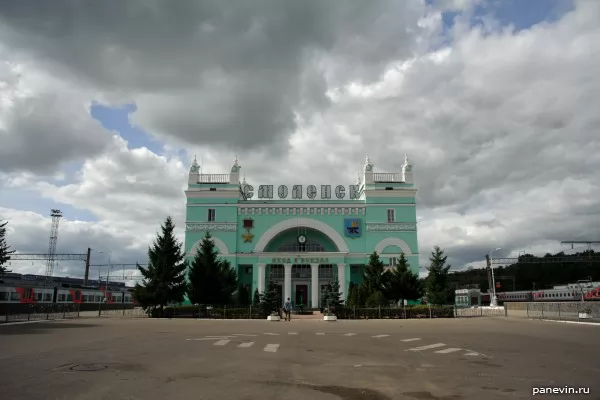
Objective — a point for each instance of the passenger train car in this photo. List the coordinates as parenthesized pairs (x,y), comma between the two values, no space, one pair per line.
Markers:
(32,289)
(589,291)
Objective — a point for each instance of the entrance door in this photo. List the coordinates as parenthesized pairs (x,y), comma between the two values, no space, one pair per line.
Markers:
(301,295)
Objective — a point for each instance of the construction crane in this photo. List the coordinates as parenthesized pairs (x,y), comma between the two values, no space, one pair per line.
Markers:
(56,216)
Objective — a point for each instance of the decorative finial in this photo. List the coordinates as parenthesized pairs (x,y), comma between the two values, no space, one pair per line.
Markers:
(358,180)
(195,168)
(235,162)
(368,167)
(405,159)
(244,180)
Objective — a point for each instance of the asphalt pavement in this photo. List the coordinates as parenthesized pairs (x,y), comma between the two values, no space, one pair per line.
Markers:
(449,359)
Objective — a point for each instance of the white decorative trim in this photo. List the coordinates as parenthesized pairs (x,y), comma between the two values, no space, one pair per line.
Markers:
(391,226)
(288,206)
(393,242)
(276,229)
(222,194)
(219,244)
(391,193)
(211,226)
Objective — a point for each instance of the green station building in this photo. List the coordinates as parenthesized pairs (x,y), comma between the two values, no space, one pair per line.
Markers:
(298,236)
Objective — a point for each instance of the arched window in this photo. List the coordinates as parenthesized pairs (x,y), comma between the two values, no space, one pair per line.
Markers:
(293,247)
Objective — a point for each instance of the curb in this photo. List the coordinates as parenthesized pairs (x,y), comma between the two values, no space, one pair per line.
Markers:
(569,322)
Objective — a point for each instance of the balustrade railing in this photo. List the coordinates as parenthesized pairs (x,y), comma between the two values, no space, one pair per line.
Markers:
(382,177)
(213,178)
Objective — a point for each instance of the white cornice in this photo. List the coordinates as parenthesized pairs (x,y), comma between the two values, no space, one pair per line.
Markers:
(348,256)
(390,193)
(243,204)
(205,194)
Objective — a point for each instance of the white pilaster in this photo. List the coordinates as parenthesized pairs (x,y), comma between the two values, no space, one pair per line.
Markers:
(314,279)
(287,287)
(342,279)
(261,277)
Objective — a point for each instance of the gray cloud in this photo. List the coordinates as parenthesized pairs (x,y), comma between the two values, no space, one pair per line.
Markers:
(501,127)
(220,73)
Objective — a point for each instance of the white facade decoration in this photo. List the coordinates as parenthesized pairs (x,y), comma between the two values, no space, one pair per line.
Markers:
(391,226)
(393,242)
(219,244)
(211,227)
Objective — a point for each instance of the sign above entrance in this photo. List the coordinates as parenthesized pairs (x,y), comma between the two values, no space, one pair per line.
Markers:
(300,260)
(266,192)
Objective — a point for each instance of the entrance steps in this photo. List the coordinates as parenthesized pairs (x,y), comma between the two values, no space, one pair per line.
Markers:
(305,315)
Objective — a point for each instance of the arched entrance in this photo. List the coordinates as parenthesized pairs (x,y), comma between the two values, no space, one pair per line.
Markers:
(300,265)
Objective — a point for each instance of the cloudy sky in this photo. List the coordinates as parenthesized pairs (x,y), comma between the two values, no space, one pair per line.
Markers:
(103,107)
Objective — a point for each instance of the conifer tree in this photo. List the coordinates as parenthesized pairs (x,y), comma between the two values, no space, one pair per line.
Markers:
(334,296)
(270,300)
(5,250)
(211,279)
(243,296)
(374,278)
(437,283)
(350,301)
(403,284)
(256,298)
(164,278)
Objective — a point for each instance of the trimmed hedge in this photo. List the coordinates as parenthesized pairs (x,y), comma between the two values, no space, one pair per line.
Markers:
(409,312)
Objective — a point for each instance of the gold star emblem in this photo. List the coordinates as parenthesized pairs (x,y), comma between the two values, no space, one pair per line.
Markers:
(247,236)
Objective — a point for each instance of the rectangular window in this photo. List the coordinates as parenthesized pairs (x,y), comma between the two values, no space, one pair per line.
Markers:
(3,296)
(391,215)
(211,215)
(47,297)
(392,261)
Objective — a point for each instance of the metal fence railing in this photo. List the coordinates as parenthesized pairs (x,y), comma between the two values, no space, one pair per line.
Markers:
(125,312)
(480,312)
(259,312)
(561,311)
(37,312)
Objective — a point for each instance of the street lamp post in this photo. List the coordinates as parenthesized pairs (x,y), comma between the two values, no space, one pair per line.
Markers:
(494,299)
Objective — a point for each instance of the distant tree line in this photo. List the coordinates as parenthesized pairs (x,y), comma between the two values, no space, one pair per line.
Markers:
(212,280)
(531,272)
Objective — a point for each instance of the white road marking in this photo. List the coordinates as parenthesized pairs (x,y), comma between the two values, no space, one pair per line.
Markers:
(272,334)
(320,333)
(446,351)
(292,333)
(211,338)
(218,337)
(430,346)
(271,348)
(378,336)
(221,342)
(411,339)
(349,334)
(246,344)
(244,334)
(471,353)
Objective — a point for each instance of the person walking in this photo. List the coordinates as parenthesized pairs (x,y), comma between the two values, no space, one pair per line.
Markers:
(287,307)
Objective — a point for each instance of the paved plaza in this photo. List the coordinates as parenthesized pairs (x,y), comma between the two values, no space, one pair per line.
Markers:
(453,359)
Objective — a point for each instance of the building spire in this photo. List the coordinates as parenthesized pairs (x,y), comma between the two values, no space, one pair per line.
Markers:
(368,167)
